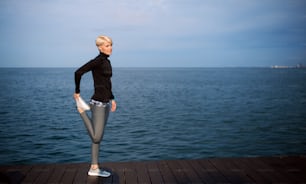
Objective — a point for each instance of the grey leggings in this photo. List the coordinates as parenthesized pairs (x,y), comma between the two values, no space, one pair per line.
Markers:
(95,127)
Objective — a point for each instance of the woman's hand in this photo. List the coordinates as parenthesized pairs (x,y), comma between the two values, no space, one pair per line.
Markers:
(114,106)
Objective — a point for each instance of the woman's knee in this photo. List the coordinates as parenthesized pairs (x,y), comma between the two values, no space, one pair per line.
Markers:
(96,140)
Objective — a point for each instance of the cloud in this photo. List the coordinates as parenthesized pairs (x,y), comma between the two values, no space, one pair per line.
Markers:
(68,28)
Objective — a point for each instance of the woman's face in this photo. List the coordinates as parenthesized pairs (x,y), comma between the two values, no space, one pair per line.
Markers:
(106,48)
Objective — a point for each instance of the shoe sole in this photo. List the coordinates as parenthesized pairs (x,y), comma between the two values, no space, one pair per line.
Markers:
(82,104)
(95,174)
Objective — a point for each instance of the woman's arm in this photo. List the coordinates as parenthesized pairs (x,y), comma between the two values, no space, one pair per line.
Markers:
(79,72)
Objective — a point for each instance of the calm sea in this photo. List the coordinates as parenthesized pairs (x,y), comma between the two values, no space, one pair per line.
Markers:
(163,113)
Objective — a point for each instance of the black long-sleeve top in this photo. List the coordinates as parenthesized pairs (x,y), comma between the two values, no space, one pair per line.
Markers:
(102,72)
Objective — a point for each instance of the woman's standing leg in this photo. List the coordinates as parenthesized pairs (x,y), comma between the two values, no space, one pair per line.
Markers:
(99,120)
(95,128)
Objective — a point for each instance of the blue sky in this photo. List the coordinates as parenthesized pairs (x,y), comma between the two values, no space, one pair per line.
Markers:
(154,33)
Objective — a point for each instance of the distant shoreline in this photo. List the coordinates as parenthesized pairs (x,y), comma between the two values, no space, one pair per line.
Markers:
(284,66)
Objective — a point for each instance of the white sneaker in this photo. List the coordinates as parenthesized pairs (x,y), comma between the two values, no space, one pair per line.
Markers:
(98,172)
(82,104)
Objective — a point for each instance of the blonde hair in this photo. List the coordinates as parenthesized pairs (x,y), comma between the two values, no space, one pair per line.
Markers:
(102,39)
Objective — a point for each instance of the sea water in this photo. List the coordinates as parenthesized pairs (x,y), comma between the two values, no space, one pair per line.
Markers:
(162,113)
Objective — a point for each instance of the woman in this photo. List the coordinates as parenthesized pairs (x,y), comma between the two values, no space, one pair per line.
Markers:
(101,102)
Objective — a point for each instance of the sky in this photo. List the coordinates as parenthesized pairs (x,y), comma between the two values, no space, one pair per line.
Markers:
(154,33)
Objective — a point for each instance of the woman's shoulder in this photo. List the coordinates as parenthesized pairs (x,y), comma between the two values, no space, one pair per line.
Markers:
(98,59)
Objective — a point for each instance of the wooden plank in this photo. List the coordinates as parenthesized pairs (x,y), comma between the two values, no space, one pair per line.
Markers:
(249,171)
(117,170)
(81,173)
(230,171)
(296,162)
(296,168)
(130,174)
(69,174)
(34,173)
(143,176)
(178,172)
(56,176)
(44,173)
(154,173)
(264,170)
(201,172)
(166,172)
(23,169)
(269,173)
(13,174)
(190,172)
(97,179)
(290,172)
(226,170)
(217,176)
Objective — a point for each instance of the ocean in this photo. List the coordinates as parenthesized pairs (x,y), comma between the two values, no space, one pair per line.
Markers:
(162,113)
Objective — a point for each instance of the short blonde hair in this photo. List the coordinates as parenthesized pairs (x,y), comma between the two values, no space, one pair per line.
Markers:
(102,39)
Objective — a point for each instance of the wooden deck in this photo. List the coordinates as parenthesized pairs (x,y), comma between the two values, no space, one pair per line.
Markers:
(287,169)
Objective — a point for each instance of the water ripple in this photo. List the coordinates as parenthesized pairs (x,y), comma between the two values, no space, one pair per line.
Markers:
(162,114)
